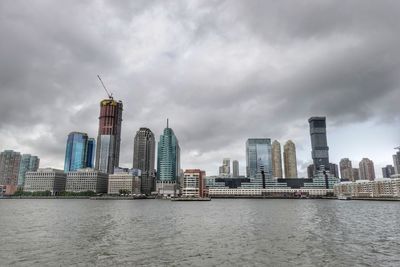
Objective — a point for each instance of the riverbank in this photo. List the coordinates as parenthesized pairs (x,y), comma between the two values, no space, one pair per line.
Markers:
(191,199)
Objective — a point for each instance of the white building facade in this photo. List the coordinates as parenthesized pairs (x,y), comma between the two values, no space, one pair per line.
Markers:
(87,180)
(379,188)
(52,180)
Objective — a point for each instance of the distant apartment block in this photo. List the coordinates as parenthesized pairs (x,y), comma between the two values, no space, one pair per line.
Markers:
(367,170)
(9,167)
(346,169)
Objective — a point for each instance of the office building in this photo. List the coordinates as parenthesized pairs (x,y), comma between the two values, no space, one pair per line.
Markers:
(289,157)
(225,169)
(319,143)
(124,180)
(310,171)
(168,163)
(258,157)
(109,136)
(52,180)
(396,161)
(276,160)
(356,174)
(9,167)
(76,151)
(367,170)
(346,169)
(193,183)
(334,169)
(235,168)
(388,171)
(87,180)
(144,158)
(91,153)
(28,163)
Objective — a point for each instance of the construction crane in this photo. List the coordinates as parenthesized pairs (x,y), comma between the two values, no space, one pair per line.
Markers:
(105,89)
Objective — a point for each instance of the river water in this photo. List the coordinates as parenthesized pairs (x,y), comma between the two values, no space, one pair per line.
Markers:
(236,232)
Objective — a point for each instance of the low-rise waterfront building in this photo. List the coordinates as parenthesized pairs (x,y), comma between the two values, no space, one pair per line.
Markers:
(193,183)
(127,180)
(87,179)
(268,192)
(378,188)
(45,179)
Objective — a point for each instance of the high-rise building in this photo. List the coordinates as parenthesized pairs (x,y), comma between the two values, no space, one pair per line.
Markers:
(109,136)
(225,169)
(319,143)
(276,160)
(396,161)
(346,169)
(144,157)
(310,171)
(367,170)
(235,168)
(168,158)
(28,163)
(356,174)
(76,151)
(388,171)
(334,170)
(9,167)
(258,157)
(91,152)
(289,157)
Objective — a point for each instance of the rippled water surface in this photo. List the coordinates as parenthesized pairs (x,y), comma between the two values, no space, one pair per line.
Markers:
(217,233)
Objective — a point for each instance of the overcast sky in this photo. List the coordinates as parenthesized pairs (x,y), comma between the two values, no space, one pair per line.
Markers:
(221,71)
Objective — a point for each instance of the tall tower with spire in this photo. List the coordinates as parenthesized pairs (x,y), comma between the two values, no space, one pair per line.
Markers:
(168,158)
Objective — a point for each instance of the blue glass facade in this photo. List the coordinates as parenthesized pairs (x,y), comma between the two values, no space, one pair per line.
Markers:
(28,163)
(168,158)
(76,151)
(258,157)
(91,152)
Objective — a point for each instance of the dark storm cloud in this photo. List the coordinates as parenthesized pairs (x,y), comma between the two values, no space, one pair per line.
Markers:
(222,71)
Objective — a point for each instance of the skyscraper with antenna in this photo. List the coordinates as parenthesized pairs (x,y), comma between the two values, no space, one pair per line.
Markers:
(168,161)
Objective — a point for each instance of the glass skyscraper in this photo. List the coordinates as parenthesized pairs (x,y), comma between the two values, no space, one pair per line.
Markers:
(91,152)
(258,157)
(319,143)
(168,158)
(76,151)
(28,163)
(144,157)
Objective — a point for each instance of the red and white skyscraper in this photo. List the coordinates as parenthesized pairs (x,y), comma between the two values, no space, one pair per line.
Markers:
(109,137)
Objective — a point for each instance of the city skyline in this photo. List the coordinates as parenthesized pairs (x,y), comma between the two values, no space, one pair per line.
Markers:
(162,71)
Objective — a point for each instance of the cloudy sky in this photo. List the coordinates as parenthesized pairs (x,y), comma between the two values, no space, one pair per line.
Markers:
(221,71)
